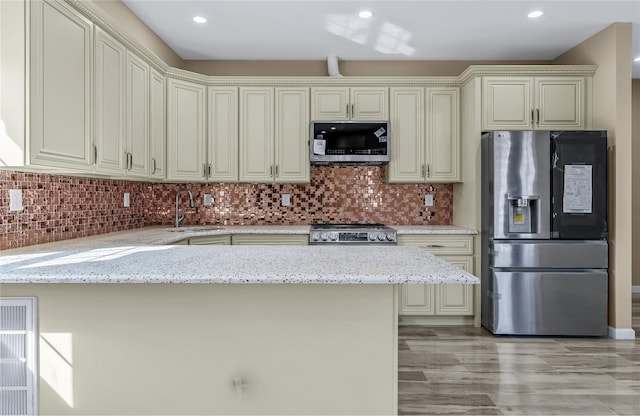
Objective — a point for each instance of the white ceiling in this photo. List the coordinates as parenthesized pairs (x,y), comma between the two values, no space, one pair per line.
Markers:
(399,30)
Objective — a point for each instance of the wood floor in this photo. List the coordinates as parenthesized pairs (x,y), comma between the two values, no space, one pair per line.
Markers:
(468,371)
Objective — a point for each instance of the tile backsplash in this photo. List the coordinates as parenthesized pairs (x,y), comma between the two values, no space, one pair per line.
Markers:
(63,207)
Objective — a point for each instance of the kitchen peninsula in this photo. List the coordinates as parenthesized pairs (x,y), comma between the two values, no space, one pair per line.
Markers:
(290,330)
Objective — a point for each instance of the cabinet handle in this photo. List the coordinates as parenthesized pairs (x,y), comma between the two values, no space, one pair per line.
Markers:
(204,170)
(277,171)
(428,171)
(126,160)
(422,171)
(435,246)
(271,170)
(209,169)
(348,115)
(353,110)
(532,118)
(130,161)
(154,166)
(538,117)
(95,154)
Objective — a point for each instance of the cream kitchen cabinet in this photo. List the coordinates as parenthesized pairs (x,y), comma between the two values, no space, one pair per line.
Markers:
(425,131)
(440,300)
(344,103)
(121,109)
(273,134)
(137,117)
(157,125)
(61,79)
(186,130)
(110,58)
(270,239)
(524,103)
(222,154)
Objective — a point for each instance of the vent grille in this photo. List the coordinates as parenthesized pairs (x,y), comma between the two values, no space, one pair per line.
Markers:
(17,357)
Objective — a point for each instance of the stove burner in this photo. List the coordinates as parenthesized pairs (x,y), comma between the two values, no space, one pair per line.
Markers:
(352,234)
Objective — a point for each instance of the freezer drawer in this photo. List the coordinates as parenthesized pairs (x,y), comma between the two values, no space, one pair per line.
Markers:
(578,254)
(548,302)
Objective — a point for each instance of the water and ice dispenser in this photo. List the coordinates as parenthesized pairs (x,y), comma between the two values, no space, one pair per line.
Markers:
(523,211)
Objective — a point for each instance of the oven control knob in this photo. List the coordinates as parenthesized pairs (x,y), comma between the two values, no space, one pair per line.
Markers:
(333,236)
(381,236)
(315,236)
(390,237)
(372,237)
(324,236)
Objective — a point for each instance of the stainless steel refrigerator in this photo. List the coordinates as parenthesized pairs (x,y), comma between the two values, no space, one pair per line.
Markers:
(544,232)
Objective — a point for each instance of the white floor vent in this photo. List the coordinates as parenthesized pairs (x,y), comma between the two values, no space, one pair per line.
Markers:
(18,383)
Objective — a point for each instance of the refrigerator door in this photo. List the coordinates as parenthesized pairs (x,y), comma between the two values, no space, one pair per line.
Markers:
(549,302)
(579,185)
(518,184)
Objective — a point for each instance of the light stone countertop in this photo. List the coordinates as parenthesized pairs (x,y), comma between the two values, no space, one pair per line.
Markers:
(146,256)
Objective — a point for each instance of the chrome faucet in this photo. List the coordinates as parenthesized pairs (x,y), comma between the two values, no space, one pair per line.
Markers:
(179,217)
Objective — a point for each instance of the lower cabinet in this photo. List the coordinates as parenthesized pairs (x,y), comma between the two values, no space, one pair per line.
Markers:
(439,304)
(222,240)
(270,239)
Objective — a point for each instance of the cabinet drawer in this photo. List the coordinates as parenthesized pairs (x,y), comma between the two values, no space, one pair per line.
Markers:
(440,244)
(210,240)
(271,239)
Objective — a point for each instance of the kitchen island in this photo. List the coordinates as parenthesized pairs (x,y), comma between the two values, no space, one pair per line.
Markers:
(238,330)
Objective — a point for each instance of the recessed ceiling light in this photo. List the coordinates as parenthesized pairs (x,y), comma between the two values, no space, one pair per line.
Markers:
(200,19)
(535,14)
(365,14)
(637,59)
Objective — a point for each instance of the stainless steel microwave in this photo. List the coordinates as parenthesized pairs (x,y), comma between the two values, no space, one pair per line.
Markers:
(351,142)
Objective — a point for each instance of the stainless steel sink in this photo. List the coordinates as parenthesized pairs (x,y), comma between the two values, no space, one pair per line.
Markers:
(194,229)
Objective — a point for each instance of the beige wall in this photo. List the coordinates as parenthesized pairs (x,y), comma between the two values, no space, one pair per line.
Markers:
(610,49)
(347,68)
(636,175)
(130,23)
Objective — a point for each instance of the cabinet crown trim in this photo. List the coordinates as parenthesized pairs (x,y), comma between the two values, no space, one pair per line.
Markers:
(474,71)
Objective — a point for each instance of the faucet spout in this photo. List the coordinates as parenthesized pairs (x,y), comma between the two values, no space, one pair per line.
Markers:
(180,216)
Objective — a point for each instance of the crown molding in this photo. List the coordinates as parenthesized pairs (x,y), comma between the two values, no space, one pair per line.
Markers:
(107,24)
(526,70)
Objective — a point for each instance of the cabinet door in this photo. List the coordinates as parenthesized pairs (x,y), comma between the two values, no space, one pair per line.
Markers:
(407,135)
(560,103)
(369,103)
(443,135)
(110,57)
(292,135)
(454,299)
(157,126)
(185,130)
(329,103)
(417,299)
(223,134)
(507,103)
(137,105)
(61,79)
(256,135)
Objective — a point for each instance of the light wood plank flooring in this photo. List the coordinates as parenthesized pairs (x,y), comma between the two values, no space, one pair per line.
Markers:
(468,371)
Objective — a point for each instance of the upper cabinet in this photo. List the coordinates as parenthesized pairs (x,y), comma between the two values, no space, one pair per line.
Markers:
(109,119)
(524,103)
(186,129)
(274,130)
(137,117)
(61,54)
(222,154)
(344,103)
(425,135)
(157,125)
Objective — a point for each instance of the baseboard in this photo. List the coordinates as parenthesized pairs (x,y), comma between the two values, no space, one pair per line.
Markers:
(621,333)
(635,289)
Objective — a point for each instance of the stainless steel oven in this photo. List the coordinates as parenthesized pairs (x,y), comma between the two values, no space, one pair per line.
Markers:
(352,234)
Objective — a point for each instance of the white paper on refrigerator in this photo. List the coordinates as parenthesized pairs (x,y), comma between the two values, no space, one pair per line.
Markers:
(578,189)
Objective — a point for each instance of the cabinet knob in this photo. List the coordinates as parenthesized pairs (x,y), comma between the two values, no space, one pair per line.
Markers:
(239,385)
